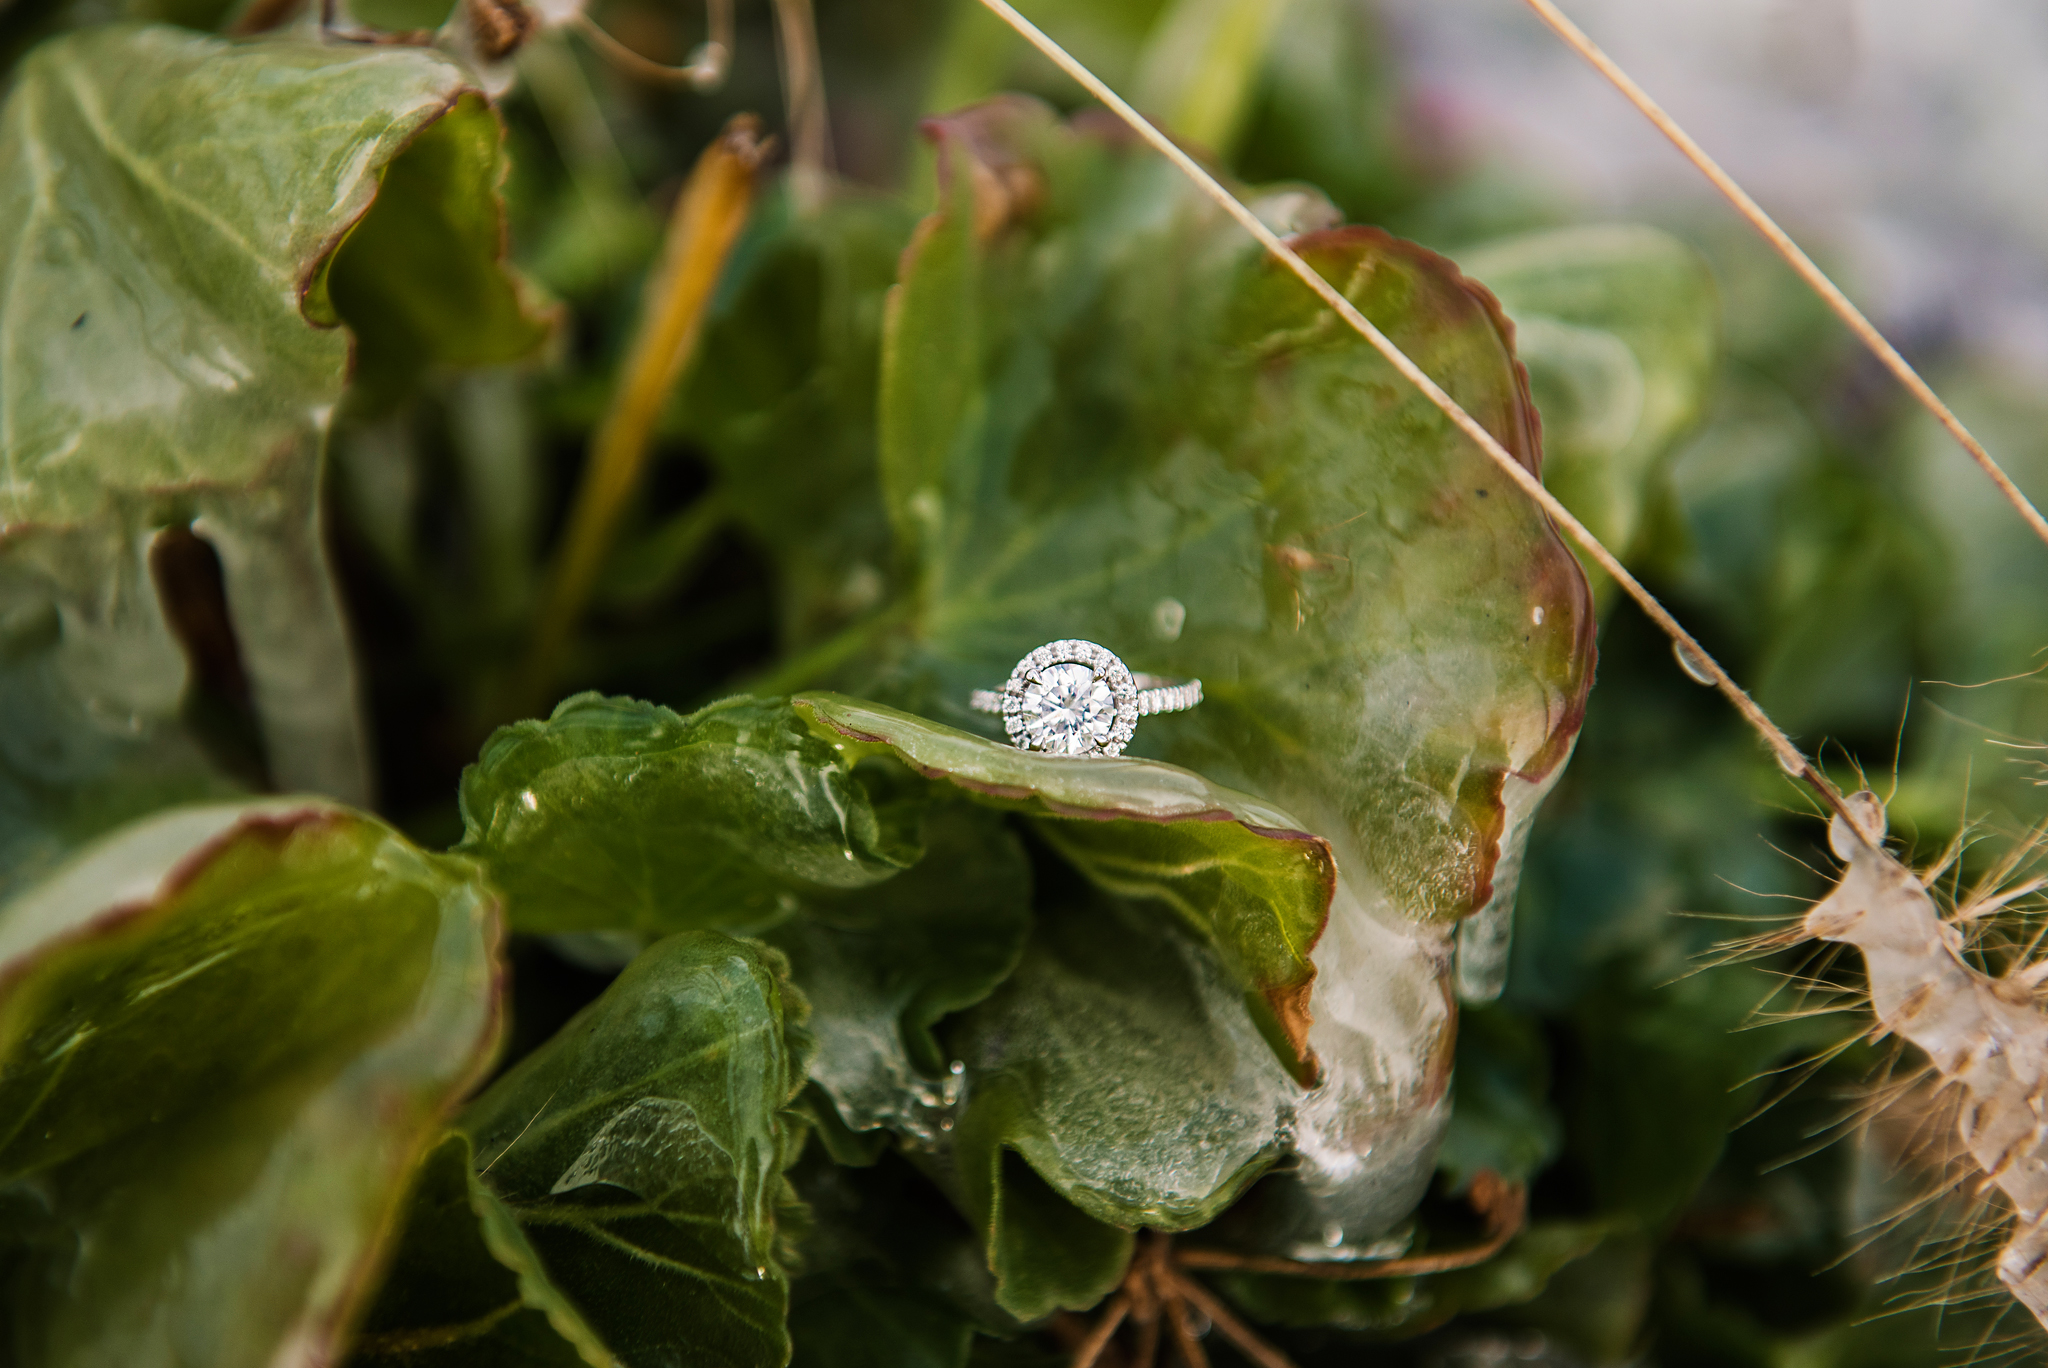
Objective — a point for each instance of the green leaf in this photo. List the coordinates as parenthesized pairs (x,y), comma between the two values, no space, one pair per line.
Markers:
(642,1153)
(464,1287)
(1238,872)
(620,815)
(227,1035)
(1103,402)
(1118,1062)
(882,966)
(1105,414)
(1620,329)
(172,200)
(420,280)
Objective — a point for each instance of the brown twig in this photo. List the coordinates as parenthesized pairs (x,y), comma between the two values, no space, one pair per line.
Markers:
(1790,758)
(1184,1338)
(1503,1205)
(1234,1330)
(1098,1338)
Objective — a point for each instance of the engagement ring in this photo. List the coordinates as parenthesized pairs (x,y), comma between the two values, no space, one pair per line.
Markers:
(1076,698)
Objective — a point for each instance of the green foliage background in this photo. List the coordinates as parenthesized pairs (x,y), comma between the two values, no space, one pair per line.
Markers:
(744,1022)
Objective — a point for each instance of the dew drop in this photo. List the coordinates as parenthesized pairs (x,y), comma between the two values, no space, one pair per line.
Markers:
(1536,615)
(957,1067)
(945,1123)
(1333,1235)
(529,802)
(1693,663)
(1169,615)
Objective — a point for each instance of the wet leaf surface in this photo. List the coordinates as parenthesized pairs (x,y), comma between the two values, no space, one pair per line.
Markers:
(642,1151)
(1238,872)
(464,1287)
(227,1035)
(1105,415)
(883,966)
(1165,1129)
(168,357)
(620,815)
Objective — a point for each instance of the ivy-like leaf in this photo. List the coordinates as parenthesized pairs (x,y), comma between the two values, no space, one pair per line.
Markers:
(465,1288)
(420,280)
(620,815)
(1239,872)
(170,201)
(882,966)
(1118,1062)
(642,1153)
(227,1035)
(1105,414)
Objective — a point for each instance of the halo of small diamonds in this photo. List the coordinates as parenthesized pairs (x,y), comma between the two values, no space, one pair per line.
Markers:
(1071,698)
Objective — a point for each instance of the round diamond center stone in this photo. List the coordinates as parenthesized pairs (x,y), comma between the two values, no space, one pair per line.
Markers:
(1068,711)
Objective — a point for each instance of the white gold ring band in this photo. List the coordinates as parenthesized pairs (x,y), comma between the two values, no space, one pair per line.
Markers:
(1077,698)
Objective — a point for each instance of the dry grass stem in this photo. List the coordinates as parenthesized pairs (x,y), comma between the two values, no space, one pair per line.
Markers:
(1090,1349)
(1794,256)
(1790,758)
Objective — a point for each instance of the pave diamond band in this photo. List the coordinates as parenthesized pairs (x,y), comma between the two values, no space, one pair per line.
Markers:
(1077,698)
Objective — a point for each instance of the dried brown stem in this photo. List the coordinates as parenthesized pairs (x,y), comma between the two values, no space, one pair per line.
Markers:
(1113,1315)
(1790,758)
(1184,1337)
(1503,1205)
(1794,256)
(1233,1329)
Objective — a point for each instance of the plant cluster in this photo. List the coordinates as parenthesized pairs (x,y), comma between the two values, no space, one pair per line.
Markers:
(496,861)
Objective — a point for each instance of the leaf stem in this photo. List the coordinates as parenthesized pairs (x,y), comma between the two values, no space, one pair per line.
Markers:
(701,232)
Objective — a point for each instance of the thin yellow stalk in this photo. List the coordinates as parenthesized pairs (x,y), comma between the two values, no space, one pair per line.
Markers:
(701,231)
(1796,258)
(1698,663)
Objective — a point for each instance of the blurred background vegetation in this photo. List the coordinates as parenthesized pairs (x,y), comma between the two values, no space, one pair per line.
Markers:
(1818,534)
